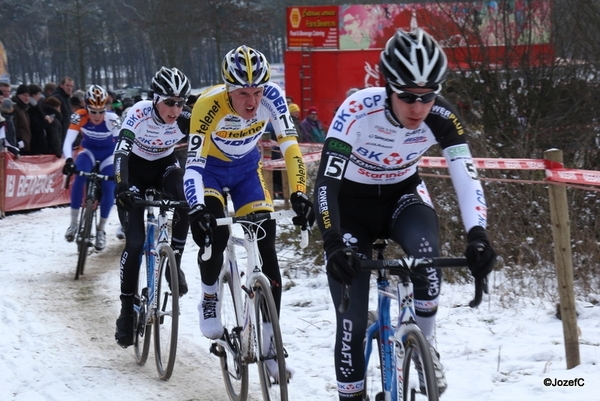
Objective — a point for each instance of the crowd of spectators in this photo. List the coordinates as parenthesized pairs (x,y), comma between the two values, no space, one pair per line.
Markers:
(34,120)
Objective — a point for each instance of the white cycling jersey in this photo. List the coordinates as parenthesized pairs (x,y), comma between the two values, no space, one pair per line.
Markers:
(367,145)
(152,139)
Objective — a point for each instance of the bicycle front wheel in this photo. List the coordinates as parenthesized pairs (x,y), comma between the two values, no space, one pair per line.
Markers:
(142,327)
(420,382)
(271,354)
(166,320)
(84,232)
(233,368)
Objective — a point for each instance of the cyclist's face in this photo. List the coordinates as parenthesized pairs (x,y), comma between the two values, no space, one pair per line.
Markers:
(413,114)
(96,116)
(171,109)
(245,101)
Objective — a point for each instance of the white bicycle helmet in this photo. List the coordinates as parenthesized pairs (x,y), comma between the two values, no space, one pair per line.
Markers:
(413,60)
(245,67)
(170,82)
(96,97)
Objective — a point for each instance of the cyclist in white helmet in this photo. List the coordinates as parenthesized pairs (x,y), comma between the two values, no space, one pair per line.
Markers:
(98,128)
(368,187)
(227,122)
(144,158)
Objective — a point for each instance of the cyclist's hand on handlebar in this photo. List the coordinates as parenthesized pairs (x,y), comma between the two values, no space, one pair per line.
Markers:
(202,223)
(480,255)
(305,213)
(343,264)
(124,196)
(69,167)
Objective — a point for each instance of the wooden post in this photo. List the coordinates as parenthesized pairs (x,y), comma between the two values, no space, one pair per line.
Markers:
(559,213)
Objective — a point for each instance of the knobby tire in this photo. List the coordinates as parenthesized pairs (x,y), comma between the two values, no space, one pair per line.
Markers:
(84,235)
(166,319)
(266,312)
(234,370)
(142,331)
(417,349)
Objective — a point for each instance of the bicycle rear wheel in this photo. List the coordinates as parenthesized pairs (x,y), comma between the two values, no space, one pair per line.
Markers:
(270,343)
(420,382)
(84,232)
(166,320)
(234,370)
(142,331)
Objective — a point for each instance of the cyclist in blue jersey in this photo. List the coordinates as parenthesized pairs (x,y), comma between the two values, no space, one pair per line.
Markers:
(98,128)
(368,187)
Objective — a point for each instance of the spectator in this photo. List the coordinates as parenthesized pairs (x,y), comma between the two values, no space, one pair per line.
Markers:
(51,108)
(313,128)
(4,144)
(76,105)
(7,110)
(49,89)
(22,124)
(5,89)
(191,101)
(39,123)
(289,100)
(63,93)
(295,113)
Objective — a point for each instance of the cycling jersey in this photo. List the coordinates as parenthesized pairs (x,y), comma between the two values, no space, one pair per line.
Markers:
(94,137)
(367,145)
(145,135)
(220,138)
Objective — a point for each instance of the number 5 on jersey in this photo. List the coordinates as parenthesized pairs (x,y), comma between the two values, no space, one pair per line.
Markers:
(335,167)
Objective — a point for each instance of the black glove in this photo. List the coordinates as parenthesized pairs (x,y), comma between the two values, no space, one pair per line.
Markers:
(304,210)
(124,196)
(202,223)
(343,264)
(480,255)
(69,167)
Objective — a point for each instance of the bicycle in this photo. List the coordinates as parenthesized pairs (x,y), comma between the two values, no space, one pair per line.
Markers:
(402,347)
(248,312)
(88,219)
(156,302)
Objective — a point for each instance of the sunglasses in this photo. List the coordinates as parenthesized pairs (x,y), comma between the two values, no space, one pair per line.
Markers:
(410,98)
(96,111)
(172,102)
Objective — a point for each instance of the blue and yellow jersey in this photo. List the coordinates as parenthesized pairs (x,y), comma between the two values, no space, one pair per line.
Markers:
(221,139)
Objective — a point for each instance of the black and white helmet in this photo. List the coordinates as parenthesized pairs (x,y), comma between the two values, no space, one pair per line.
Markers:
(170,82)
(244,67)
(413,60)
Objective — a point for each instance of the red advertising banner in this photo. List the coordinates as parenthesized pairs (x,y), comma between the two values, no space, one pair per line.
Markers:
(32,182)
(312,26)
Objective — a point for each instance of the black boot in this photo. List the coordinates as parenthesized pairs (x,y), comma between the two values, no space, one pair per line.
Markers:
(183,287)
(124,331)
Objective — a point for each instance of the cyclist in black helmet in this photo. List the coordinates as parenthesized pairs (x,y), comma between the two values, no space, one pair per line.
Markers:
(144,157)
(368,187)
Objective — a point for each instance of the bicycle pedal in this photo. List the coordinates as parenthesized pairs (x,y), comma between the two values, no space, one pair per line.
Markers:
(215,351)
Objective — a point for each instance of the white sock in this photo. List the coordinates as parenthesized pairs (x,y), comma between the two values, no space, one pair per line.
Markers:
(210,289)
(101,224)
(74,216)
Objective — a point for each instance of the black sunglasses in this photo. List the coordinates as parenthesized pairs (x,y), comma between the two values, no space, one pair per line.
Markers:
(96,111)
(172,102)
(410,98)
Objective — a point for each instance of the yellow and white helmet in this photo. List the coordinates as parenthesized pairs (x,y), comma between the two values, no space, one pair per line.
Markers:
(245,67)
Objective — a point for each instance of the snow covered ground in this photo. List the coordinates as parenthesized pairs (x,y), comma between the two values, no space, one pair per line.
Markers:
(57,341)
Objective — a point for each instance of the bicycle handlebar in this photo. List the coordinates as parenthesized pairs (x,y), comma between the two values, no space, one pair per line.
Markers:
(255,218)
(93,174)
(161,203)
(408,264)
